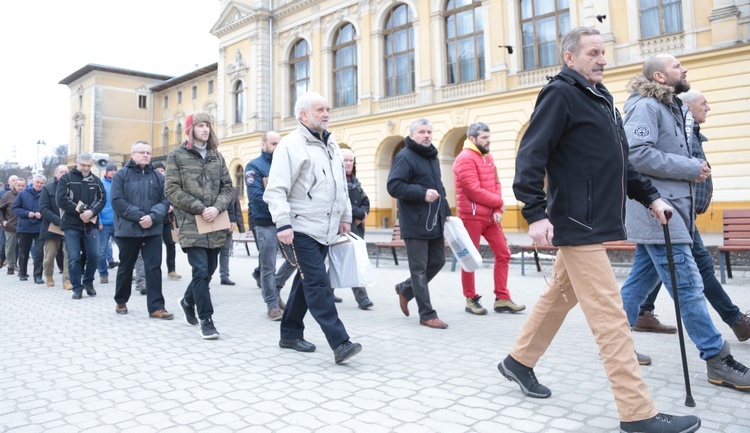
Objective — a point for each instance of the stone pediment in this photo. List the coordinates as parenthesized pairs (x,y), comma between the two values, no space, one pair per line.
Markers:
(237,15)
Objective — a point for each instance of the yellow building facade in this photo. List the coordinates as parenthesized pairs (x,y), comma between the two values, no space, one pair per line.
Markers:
(385,63)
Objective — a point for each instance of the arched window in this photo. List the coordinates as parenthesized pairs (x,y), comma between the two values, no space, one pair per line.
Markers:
(660,17)
(299,72)
(345,67)
(178,132)
(543,24)
(238,95)
(399,51)
(464,41)
(239,180)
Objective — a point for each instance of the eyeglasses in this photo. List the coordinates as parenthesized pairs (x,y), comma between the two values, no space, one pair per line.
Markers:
(290,254)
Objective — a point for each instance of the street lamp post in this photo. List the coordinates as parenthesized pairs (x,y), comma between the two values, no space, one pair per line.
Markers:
(39,166)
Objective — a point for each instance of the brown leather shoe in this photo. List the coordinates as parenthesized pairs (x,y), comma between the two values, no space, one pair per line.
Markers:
(741,327)
(649,323)
(434,323)
(161,314)
(402,302)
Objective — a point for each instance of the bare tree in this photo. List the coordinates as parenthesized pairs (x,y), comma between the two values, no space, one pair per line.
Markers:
(49,163)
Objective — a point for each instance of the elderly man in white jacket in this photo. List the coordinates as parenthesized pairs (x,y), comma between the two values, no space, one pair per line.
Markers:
(309,203)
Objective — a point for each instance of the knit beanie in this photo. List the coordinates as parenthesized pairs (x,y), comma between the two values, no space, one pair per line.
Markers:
(213,141)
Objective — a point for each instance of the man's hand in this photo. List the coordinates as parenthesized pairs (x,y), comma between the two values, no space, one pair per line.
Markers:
(231,228)
(705,172)
(86,215)
(498,217)
(657,209)
(101,226)
(542,232)
(431,195)
(146,221)
(171,209)
(210,213)
(286,236)
(344,228)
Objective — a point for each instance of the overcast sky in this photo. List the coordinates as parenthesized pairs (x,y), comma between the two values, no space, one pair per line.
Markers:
(44,41)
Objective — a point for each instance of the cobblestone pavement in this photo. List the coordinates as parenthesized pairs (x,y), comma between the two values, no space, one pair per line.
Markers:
(76,366)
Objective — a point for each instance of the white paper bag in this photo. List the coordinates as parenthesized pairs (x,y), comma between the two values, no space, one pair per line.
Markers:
(463,248)
(349,264)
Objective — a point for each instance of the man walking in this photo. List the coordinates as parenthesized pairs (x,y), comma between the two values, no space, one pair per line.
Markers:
(479,204)
(198,186)
(256,178)
(81,196)
(575,140)
(53,242)
(660,150)
(308,201)
(415,181)
(26,207)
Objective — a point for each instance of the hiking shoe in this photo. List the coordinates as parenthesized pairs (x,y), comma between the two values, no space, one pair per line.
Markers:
(50,281)
(649,323)
(723,370)
(161,314)
(275,314)
(90,290)
(189,311)
(524,377)
(508,306)
(663,423)
(174,275)
(67,285)
(208,330)
(741,327)
(103,280)
(121,309)
(643,359)
(77,294)
(474,307)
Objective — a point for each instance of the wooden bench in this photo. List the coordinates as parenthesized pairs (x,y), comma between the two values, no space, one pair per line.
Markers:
(609,246)
(397,242)
(243,238)
(736,238)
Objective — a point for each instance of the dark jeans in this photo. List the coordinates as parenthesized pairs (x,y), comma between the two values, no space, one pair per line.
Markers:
(426,259)
(311,293)
(106,234)
(75,240)
(204,262)
(712,288)
(166,234)
(24,244)
(150,248)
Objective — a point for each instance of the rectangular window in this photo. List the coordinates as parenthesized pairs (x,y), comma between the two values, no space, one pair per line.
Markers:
(194,92)
(179,97)
(210,87)
(659,17)
(166,102)
(543,24)
(142,101)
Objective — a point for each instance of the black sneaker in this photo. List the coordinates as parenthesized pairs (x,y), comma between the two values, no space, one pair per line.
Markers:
(663,423)
(90,290)
(208,330)
(524,377)
(189,311)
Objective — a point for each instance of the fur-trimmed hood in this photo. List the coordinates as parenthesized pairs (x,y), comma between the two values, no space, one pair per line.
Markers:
(645,88)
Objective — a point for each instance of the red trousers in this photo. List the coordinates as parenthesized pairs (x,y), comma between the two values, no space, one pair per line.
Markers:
(495,238)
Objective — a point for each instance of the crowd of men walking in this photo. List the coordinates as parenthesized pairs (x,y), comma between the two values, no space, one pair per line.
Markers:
(584,175)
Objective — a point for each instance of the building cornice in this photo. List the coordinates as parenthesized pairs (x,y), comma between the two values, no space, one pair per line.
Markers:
(91,67)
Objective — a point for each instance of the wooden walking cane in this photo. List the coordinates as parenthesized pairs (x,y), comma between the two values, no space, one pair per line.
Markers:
(672,276)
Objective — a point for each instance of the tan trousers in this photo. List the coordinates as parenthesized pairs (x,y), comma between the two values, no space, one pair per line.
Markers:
(585,274)
(50,252)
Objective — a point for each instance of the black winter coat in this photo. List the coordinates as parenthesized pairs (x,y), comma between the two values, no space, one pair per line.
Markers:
(73,187)
(49,210)
(360,204)
(136,192)
(416,169)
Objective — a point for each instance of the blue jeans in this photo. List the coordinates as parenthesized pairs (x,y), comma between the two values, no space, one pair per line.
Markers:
(106,234)
(644,276)
(271,280)
(712,288)
(74,241)
(204,262)
(311,293)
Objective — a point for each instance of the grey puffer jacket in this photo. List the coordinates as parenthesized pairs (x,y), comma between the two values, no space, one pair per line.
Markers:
(655,129)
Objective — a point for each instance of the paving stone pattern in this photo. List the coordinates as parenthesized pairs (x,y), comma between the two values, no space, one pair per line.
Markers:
(76,366)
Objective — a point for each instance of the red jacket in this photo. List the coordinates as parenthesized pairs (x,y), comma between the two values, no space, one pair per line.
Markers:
(478,193)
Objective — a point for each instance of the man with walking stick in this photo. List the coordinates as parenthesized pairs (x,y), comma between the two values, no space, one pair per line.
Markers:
(575,140)
(660,150)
